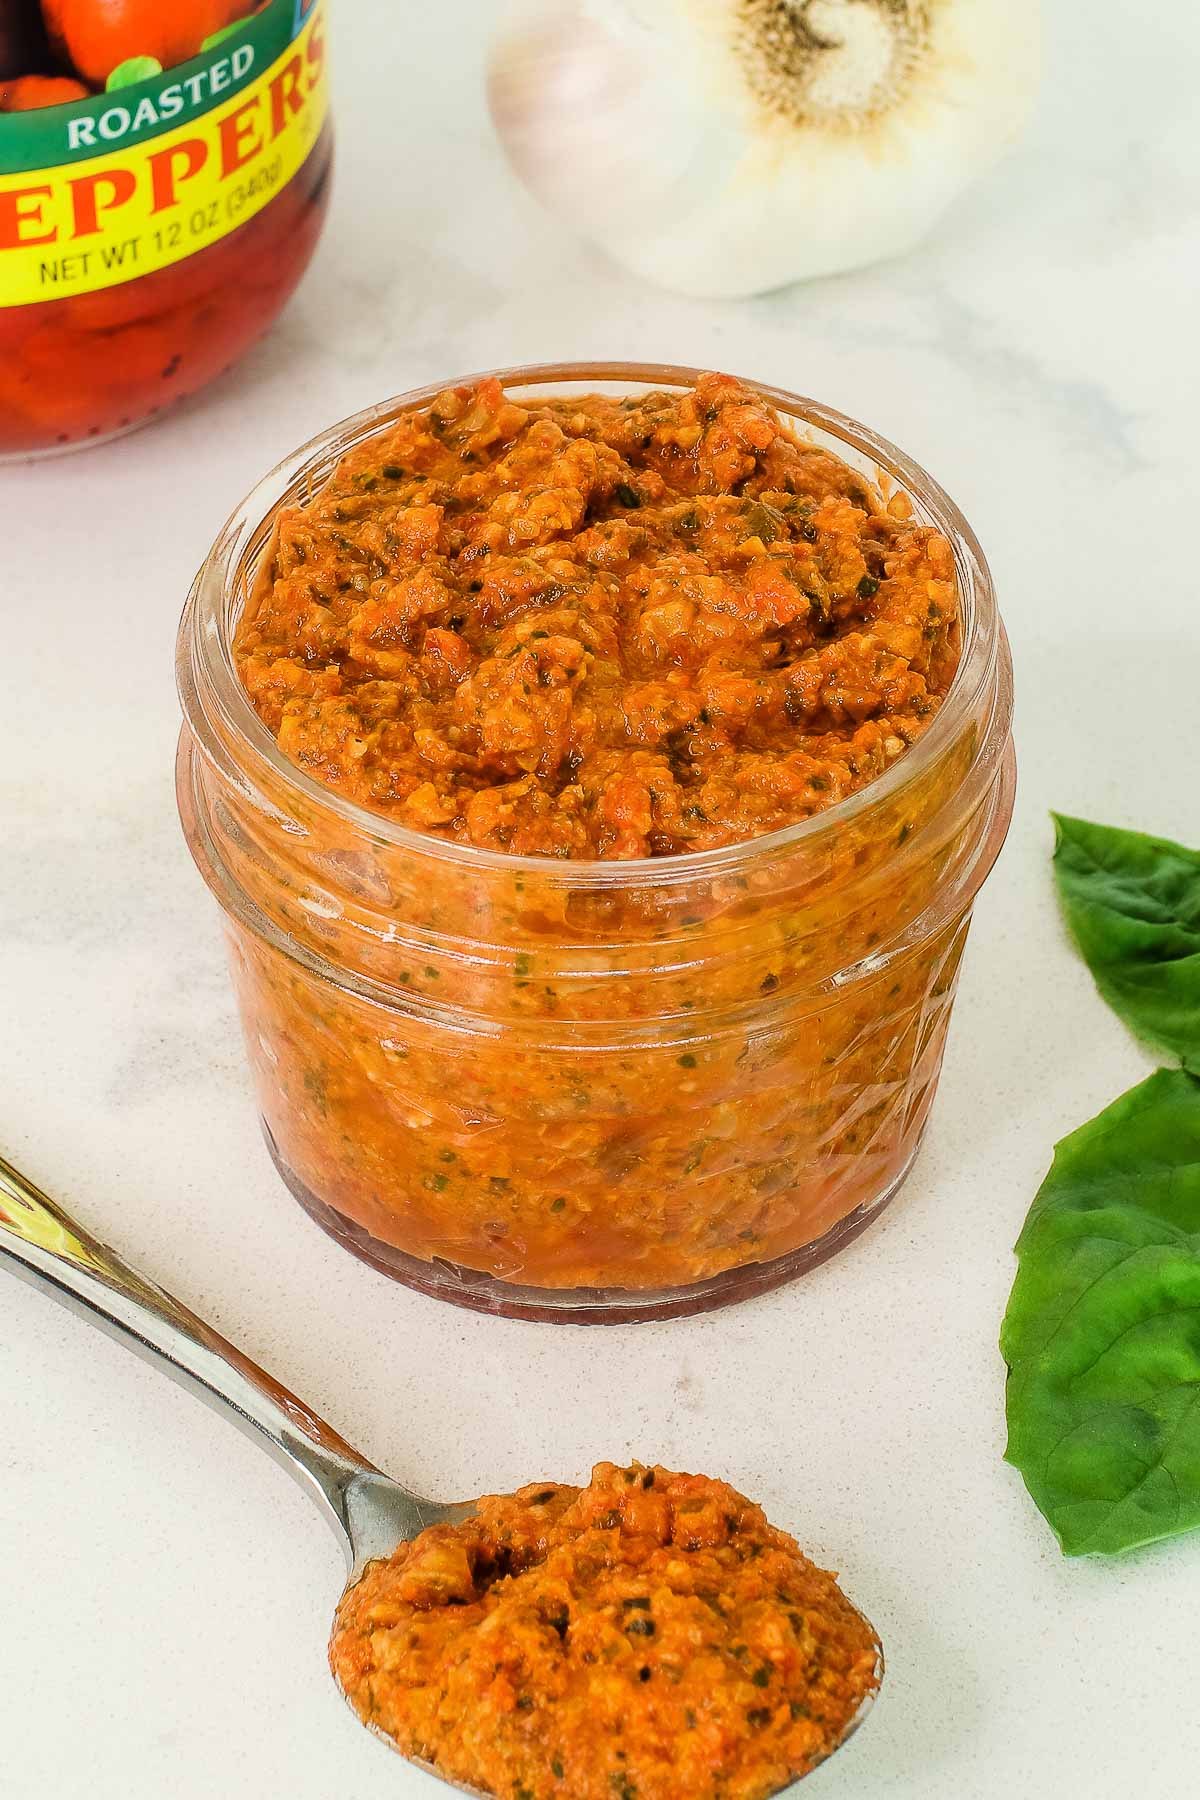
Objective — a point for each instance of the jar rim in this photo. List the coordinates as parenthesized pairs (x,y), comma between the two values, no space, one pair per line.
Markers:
(213,696)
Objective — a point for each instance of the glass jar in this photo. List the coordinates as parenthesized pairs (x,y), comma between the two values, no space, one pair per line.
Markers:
(149,234)
(602,1090)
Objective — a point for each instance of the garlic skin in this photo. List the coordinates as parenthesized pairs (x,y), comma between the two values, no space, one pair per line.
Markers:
(727,147)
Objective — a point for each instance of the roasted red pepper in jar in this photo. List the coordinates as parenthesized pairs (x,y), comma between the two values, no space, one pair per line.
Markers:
(28,93)
(96,36)
(151,232)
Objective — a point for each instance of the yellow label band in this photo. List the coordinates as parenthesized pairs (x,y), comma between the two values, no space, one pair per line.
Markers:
(106,219)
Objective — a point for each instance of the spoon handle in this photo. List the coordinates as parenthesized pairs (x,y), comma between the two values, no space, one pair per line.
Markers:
(45,1247)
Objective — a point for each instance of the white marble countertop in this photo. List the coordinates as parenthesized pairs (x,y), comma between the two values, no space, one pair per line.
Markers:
(173,1590)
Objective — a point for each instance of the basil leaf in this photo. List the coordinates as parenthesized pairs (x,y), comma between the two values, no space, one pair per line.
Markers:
(1102,1332)
(1133,907)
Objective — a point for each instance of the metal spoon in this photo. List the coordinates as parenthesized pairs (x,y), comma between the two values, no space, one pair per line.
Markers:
(369,1511)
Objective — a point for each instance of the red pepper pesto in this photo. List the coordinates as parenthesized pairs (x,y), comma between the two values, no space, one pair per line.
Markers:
(648,1637)
(586,630)
(599,627)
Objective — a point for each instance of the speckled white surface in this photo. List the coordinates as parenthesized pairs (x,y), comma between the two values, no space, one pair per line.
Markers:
(166,1592)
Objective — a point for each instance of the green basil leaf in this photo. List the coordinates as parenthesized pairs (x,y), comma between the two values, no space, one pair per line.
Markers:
(1102,1332)
(1133,907)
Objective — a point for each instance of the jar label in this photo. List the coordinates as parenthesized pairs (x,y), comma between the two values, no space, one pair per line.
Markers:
(100,191)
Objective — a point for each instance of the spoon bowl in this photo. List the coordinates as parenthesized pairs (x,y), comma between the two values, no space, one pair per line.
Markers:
(370,1512)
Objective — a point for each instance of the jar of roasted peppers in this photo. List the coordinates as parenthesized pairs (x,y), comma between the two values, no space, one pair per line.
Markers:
(164,173)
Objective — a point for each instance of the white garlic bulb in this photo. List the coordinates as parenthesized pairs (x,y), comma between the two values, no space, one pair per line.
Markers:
(725,147)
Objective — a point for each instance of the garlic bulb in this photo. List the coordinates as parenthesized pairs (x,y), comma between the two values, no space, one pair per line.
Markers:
(726,147)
